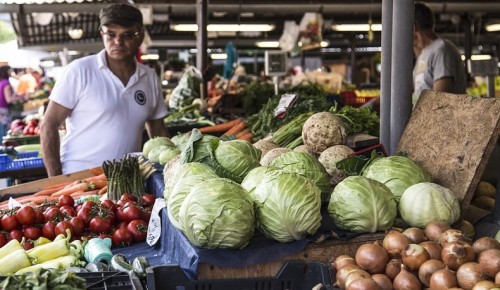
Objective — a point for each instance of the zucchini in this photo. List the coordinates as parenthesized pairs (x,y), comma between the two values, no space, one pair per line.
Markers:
(139,265)
(119,263)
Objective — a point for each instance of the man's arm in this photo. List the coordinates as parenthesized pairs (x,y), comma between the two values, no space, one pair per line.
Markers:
(49,137)
(156,128)
(444,84)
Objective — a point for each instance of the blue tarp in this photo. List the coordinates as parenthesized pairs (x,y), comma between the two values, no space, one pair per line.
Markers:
(174,248)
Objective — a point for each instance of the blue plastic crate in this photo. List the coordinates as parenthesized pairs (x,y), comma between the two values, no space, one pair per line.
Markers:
(21,155)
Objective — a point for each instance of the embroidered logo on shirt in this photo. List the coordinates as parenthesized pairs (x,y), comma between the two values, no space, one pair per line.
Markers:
(140,97)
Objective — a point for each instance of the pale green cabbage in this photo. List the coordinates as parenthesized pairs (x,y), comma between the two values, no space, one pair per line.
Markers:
(287,206)
(425,202)
(155,142)
(182,171)
(396,172)
(218,213)
(362,205)
(255,177)
(238,157)
(306,165)
(167,154)
(154,154)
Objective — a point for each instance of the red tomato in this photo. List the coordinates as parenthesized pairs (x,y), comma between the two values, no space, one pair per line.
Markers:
(67,211)
(121,225)
(27,245)
(131,212)
(66,200)
(26,215)
(119,214)
(122,237)
(62,226)
(109,204)
(148,199)
(100,225)
(53,214)
(146,214)
(89,204)
(48,230)
(78,225)
(3,240)
(40,218)
(138,229)
(128,197)
(104,236)
(16,234)
(9,222)
(85,213)
(32,233)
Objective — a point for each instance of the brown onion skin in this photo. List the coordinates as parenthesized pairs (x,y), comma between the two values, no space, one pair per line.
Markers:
(343,273)
(485,285)
(415,235)
(363,284)
(355,275)
(395,242)
(443,279)
(485,243)
(434,229)
(382,281)
(451,235)
(413,256)
(372,258)
(455,254)
(467,228)
(469,274)
(342,260)
(433,248)
(393,268)
(489,261)
(427,269)
(406,281)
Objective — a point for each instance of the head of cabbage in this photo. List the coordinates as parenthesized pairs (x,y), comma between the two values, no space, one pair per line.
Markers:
(287,205)
(217,213)
(154,142)
(396,172)
(425,202)
(362,205)
(181,172)
(238,157)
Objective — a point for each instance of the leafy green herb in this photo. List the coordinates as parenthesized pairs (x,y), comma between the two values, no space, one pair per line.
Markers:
(359,120)
(355,165)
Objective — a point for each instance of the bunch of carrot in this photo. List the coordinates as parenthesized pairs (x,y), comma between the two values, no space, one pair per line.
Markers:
(237,128)
(94,185)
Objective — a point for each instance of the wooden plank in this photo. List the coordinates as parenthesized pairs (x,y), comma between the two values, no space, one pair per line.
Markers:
(453,136)
(37,185)
(325,251)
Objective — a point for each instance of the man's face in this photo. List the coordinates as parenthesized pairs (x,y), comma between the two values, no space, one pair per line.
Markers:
(121,43)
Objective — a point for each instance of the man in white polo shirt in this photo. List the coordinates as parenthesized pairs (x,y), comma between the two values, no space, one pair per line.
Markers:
(106,99)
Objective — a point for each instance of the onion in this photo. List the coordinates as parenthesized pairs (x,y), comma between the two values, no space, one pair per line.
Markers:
(395,242)
(413,256)
(406,281)
(415,235)
(434,229)
(489,261)
(372,258)
(393,268)
(342,274)
(427,269)
(485,243)
(449,236)
(363,284)
(443,279)
(467,229)
(455,254)
(356,274)
(485,285)
(433,248)
(342,260)
(469,274)
(382,281)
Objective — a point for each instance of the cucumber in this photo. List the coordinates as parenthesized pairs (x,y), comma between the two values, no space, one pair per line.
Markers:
(119,263)
(139,265)
(27,148)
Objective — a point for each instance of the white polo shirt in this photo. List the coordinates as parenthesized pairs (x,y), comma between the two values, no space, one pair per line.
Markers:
(107,119)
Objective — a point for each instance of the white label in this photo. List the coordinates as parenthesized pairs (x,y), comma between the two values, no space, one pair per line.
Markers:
(154,227)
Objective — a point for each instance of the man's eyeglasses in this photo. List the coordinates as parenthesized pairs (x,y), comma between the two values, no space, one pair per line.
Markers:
(110,36)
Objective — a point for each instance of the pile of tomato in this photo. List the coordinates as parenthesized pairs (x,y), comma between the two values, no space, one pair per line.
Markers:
(124,221)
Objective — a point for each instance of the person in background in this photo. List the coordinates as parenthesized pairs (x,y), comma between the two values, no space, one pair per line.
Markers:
(107,100)
(438,66)
(6,98)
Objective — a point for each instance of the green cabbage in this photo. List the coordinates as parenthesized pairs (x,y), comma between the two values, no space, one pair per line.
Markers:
(180,140)
(396,172)
(155,142)
(287,206)
(306,165)
(183,171)
(237,156)
(199,147)
(218,213)
(167,154)
(362,205)
(154,154)
(255,176)
(425,202)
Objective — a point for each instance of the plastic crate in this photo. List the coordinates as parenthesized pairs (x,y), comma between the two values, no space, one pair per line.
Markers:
(293,275)
(28,154)
(107,280)
(9,164)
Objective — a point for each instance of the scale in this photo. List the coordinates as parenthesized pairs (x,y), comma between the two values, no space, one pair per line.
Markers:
(275,65)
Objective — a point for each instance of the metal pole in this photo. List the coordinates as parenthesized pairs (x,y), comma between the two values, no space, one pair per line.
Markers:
(385,75)
(201,42)
(401,73)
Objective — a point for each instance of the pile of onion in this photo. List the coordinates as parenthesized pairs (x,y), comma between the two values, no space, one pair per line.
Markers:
(437,257)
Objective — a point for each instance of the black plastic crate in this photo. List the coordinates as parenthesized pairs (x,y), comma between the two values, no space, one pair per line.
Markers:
(293,275)
(108,280)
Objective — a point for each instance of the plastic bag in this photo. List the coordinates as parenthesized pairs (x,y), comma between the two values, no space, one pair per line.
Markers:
(187,90)
(310,30)
(288,40)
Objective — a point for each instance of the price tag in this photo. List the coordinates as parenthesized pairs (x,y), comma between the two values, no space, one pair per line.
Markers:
(154,226)
(286,101)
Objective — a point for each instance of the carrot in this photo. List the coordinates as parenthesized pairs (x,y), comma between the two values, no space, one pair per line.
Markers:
(103,190)
(62,184)
(248,137)
(48,191)
(96,170)
(80,193)
(97,184)
(236,129)
(220,128)
(83,186)
(97,177)
(241,133)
